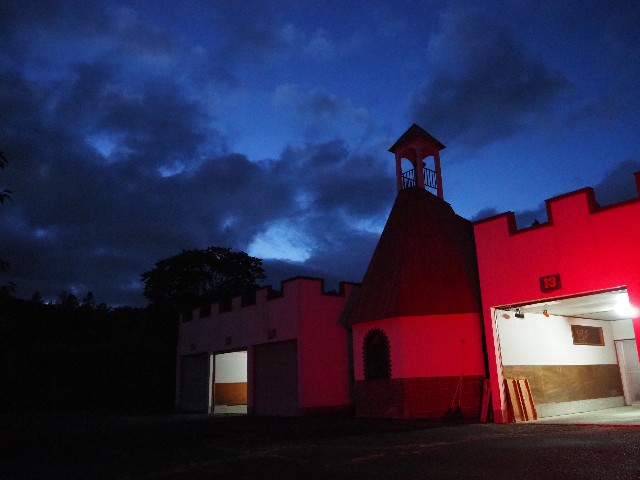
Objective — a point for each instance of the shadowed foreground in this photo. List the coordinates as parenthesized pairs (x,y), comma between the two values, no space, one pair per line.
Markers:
(195,447)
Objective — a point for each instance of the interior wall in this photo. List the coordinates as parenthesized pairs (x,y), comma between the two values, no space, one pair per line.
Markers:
(538,340)
(231,367)
(230,378)
(623,329)
(564,378)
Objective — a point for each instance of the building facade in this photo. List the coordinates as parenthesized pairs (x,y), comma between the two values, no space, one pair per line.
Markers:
(283,354)
(558,304)
(448,316)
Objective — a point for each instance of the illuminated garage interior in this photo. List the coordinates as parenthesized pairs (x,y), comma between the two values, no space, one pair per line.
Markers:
(579,353)
(229,386)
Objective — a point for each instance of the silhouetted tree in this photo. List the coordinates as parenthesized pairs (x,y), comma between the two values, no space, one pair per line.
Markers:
(68,300)
(88,301)
(4,196)
(198,277)
(37,297)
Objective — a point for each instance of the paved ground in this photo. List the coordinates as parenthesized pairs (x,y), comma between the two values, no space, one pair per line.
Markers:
(239,447)
(610,416)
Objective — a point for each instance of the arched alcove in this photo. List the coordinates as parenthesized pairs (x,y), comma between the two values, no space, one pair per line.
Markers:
(377,355)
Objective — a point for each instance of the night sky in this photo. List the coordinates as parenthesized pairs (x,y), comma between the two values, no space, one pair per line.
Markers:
(137,129)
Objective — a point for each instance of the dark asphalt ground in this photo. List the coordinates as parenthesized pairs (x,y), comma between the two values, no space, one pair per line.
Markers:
(200,447)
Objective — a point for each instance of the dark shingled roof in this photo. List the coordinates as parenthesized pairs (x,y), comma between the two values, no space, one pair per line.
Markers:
(424,263)
(413,132)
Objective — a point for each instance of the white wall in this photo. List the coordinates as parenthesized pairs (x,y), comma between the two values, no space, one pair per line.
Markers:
(623,329)
(231,367)
(538,340)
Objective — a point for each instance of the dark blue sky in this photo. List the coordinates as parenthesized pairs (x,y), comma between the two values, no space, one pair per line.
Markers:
(137,129)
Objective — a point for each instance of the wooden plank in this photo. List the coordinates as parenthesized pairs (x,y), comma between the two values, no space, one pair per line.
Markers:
(486,401)
(515,400)
(527,399)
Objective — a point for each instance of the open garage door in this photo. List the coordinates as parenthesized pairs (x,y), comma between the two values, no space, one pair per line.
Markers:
(566,349)
(230,382)
(276,379)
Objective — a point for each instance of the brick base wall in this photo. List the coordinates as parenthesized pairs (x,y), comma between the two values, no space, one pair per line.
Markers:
(427,397)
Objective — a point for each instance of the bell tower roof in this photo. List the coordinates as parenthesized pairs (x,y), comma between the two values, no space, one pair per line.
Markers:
(416,145)
(415,131)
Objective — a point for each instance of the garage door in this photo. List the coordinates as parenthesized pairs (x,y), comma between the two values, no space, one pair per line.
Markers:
(276,379)
(195,381)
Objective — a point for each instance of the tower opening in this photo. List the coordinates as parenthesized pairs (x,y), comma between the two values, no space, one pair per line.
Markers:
(423,153)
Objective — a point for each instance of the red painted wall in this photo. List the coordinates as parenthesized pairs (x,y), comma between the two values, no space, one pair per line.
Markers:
(427,346)
(592,248)
(301,312)
(430,355)
(323,350)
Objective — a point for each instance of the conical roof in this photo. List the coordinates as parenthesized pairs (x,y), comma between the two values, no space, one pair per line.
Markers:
(424,263)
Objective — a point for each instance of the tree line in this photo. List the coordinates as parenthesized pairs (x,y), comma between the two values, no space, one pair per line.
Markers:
(76,354)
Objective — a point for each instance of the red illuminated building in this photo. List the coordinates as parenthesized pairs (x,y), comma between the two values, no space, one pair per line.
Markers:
(482,321)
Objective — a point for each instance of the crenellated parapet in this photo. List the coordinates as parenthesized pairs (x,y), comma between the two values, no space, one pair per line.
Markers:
(266,294)
(301,304)
(568,207)
(582,247)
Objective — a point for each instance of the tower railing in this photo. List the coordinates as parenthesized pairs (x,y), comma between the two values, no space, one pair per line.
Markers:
(430,179)
(408,179)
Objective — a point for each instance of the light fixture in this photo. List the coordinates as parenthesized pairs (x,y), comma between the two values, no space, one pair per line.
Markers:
(623,307)
(519,314)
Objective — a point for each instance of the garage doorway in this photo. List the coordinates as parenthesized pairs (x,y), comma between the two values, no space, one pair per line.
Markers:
(567,348)
(229,386)
(195,377)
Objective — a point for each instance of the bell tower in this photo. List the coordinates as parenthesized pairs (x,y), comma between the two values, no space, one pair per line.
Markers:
(417,145)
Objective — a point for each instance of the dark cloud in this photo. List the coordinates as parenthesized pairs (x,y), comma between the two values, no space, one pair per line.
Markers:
(483,85)
(336,179)
(619,183)
(319,115)
(530,217)
(485,213)
(247,28)
(84,220)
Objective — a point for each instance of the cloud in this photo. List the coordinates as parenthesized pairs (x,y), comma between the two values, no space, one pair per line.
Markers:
(484,85)
(618,184)
(485,213)
(320,46)
(320,115)
(83,218)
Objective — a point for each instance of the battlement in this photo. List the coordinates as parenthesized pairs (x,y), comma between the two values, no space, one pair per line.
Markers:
(313,288)
(566,206)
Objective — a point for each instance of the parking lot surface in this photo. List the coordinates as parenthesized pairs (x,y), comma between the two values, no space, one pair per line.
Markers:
(239,447)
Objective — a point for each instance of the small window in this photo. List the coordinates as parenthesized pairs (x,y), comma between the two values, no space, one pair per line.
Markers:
(377,358)
(583,335)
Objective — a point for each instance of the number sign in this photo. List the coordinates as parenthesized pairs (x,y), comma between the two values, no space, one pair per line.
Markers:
(550,283)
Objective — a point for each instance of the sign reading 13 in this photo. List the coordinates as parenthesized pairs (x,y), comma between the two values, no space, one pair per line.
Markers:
(549,283)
